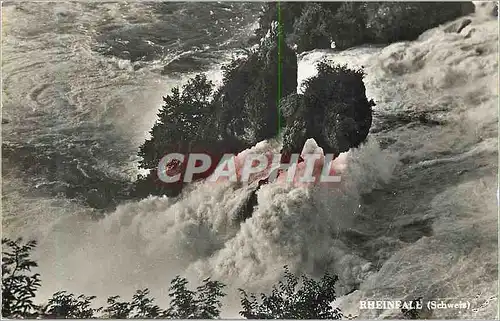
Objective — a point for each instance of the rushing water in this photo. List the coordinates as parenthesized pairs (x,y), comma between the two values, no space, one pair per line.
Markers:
(83,82)
(415,214)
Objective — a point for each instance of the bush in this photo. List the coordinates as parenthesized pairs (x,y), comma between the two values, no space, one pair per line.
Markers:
(65,305)
(19,284)
(202,304)
(311,300)
(333,110)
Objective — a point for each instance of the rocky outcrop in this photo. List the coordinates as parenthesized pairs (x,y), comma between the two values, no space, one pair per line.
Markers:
(458,26)
(333,110)
(247,103)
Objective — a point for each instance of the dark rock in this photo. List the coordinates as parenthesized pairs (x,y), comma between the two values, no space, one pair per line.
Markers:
(333,110)
(185,64)
(245,210)
(464,24)
(457,26)
(137,67)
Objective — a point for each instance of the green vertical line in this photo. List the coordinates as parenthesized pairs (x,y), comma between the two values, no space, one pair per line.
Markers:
(280,40)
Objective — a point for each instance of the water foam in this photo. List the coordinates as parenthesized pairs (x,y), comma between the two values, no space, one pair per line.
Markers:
(146,243)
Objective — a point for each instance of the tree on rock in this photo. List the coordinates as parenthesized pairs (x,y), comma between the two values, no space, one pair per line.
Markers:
(247,103)
(243,111)
(277,78)
(184,122)
(333,110)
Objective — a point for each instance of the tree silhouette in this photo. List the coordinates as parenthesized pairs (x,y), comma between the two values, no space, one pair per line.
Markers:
(19,284)
(291,298)
(294,298)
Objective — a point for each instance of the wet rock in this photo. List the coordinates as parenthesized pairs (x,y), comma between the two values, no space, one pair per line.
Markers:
(457,27)
(184,64)
(245,210)
(464,24)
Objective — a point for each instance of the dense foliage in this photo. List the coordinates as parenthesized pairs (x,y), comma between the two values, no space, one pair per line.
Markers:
(284,12)
(256,89)
(252,106)
(333,110)
(312,29)
(289,299)
(19,284)
(253,86)
(314,25)
(184,125)
(389,21)
(247,109)
(294,298)
(242,112)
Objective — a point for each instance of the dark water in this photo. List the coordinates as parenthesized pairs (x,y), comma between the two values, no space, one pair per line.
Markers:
(82,83)
(178,27)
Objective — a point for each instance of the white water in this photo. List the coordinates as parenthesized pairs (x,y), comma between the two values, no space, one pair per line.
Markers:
(66,101)
(449,178)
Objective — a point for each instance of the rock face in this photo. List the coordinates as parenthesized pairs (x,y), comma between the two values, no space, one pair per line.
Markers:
(333,110)
(245,209)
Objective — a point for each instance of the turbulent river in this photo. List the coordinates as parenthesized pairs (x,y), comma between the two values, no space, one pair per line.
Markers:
(416,215)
